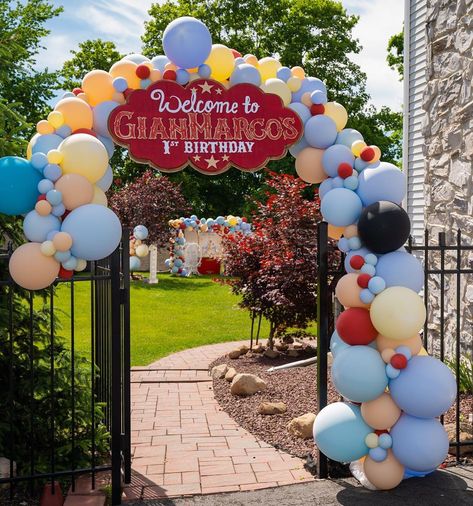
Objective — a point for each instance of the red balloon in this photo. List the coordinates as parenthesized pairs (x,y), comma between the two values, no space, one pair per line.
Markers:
(143,71)
(367,154)
(357,262)
(236,54)
(182,226)
(345,170)
(171,75)
(84,131)
(399,361)
(77,91)
(65,273)
(317,109)
(41,197)
(363,280)
(354,326)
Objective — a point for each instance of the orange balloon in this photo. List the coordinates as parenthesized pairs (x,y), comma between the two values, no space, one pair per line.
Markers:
(62,241)
(306,99)
(32,270)
(77,113)
(348,292)
(76,190)
(350,231)
(126,69)
(98,86)
(43,207)
(335,232)
(309,165)
(384,475)
(414,343)
(381,413)
(298,72)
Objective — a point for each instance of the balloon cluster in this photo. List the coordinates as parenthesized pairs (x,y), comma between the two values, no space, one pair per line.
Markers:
(138,249)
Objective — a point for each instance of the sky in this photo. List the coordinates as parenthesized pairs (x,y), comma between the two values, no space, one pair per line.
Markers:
(121,21)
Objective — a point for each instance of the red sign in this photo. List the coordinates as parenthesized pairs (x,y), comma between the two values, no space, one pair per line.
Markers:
(204,125)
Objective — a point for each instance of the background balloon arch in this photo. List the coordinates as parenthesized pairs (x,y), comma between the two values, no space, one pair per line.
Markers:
(210,107)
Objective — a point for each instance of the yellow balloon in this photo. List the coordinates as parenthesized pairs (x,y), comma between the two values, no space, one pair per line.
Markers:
(357,147)
(54,156)
(99,197)
(338,113)
(298,72)
(47,247)
(85,155)
(29,149)
(44,127)
(156,75)
(98,86)
(309,165)
(77,113)
(81,264)
(126,69)
(306,100)
(398,313)
(335,232)
(294,84)
(251,60)
(221,61)
(142,250)
(268,68)
(377,155)
(56,119)
(278,87)
(423,352)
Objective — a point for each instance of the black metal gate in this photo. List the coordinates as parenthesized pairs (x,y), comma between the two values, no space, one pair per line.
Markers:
(65,379)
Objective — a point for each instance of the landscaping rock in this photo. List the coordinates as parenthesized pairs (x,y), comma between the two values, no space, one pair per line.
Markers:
(466,434)
(219,371)
(231,373)
(272,408)
(293,353)
(259,348)
(271,353)
(302,426)
(234,354)
(281,346)
(298,346)
(247,384)
(244,349)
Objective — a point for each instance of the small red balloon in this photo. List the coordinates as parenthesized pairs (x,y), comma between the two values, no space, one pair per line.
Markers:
(87,131)
(77,91)
(345,170)
(316,109)
(128,92)
(357,262)
(354,326)
(236,54)
(382,431)
(65,273)
(399,361)
(171,75)
(143,71)
(363,280)
(182,226)
(367,154)
(66,214)
(41,197)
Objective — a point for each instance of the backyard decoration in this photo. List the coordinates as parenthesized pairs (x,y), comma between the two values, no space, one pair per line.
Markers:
(196,243)
(138,249)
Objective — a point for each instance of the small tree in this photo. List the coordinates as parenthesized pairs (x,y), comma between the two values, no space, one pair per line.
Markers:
(276,266)
(151,200)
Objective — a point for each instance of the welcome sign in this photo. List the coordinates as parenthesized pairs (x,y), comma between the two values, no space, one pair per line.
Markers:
(204,125)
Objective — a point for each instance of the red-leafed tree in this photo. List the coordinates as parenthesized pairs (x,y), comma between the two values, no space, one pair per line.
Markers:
(276,267)
(151,200)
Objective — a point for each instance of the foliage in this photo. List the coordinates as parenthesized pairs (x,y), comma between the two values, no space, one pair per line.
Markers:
(395,57)
(466,373)
(151,200)
(275,267)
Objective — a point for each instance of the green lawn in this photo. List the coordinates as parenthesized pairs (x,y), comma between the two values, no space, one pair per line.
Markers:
(175,314)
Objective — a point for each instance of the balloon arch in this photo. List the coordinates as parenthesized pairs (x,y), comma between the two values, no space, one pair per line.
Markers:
(210,107)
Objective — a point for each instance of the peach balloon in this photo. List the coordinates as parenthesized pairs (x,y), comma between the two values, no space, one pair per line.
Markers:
(98,86)
(414,343)
(380,413)
(387,354)
(305,99)
(350,231)
(99,197)
(62,241)
(77,113)
(348,292)
(384,475)
(335,232)
(309,165)
(32,270)
(126,69)
(43,207)
(76,190)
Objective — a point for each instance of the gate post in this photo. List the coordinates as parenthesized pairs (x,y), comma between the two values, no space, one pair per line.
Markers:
(322,331)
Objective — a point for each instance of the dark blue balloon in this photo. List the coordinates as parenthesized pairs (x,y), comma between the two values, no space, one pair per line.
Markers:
(18,185)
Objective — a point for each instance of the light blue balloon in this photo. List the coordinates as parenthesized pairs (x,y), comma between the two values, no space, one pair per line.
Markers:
(51,235)
(245,73)
(106,181)
(135,263)
(95,230)
(341,207)
(385,441)
(340,432)
(343,245)
(39,161)
(318,97)
(45,185)
(52,172)
(320,131)
(325,187)
(120,84)
(58,210)
(295,149)
(392,372)
(36,227)
(359,373)
(18,185)
(182,76)
(376,284)
(302,110)
(399,268)
(64,131)
(175,270)
(62,256)
(362,252)
(354,242)
(334,156)
(381,181)
(136,58)
(187,42)
(140,232)
(101,113)
(159,62)
(205,71)
(348,136)
(337,344)
(419,444)
(360,164)
(426,388)
(284,73)
(368,269)
(366,296)
(54,197)
(145,83)
(309,84)
(378,454)
(70,264)
(337,182)
(351,182)
(44,143)
(108,143)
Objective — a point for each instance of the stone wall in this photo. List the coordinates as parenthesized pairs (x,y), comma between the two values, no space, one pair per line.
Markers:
(448,151)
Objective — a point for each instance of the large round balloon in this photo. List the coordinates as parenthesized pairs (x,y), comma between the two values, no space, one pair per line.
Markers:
(384,227)
(381,413)
(381,181)
(76,190)
(359,373)
(354,326)
(32,270)
(18,185)
(384,475)
(320,131)
(309,165)
(77,113)
(221,61)
(398,313)
(341,207)
(337,344)
(426,388)
(101,114)
(420,444)
(334,156)
(399,268)
(43,144)
(187,42)
(95,230)
(348,291)
(98,86)
(340,432)
(36,227)
(246,73)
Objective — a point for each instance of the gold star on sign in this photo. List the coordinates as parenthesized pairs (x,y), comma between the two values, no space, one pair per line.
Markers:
(211,162)
(197,158)
(206,87)
(226,158)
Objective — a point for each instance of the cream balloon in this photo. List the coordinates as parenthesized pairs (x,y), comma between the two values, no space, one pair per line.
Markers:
(99,197)
(76,190)
(384,475)
(398,313)
(381,413)
(31,269)
(268,68)
(338,113)
(278,87)
(98,86)
(309,165)
(414,343)
(348,292)
(76,113)
(142,250)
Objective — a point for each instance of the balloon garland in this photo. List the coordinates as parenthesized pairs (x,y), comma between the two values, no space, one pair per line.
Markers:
(138,249)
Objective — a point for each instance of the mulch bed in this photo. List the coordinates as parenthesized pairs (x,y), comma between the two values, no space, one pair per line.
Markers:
(297,388)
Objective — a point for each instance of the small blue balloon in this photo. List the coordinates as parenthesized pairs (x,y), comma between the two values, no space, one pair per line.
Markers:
(204,71)
(140,232)
(101,114)
(334,156)
(52,172)
(239,61)
(320,131)
(404,350)
(385,441)
(359,373)
(245,73)
(36,227)
(340,432)
(120,84)
(182,76)
(106,180)
(360,164)
(325,186)
(309,84)
(159,62)
(351,182)
(337,344)
(366,296)
(54,197)
(318,97)
(62,256)
(391,372)
(354,242)
(338,182)
(45,185)
(360,252)
(399,268)
(44,143)
(174,270)
(39,161)
(135,263)
(348,136)
(58,210)
(376,284)
(284,73)
(419,444)
(378,454)
(341,207)
(343,245)
(145,83)
(382,181)
(64,131)
(368,269)
(108,143)
(68,94)
(70,264)
(303,112)
(371,259)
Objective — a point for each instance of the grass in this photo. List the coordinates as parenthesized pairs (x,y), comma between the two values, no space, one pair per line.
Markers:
(173,315)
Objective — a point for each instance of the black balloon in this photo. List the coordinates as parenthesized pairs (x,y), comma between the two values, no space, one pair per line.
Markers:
(384,227)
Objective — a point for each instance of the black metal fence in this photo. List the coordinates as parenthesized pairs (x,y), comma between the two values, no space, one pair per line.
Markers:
(448,331)
(65,378)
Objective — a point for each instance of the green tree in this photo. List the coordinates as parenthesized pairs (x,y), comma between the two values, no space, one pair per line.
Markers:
(395,57)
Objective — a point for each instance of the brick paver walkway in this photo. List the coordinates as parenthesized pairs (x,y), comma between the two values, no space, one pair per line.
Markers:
(182,443)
